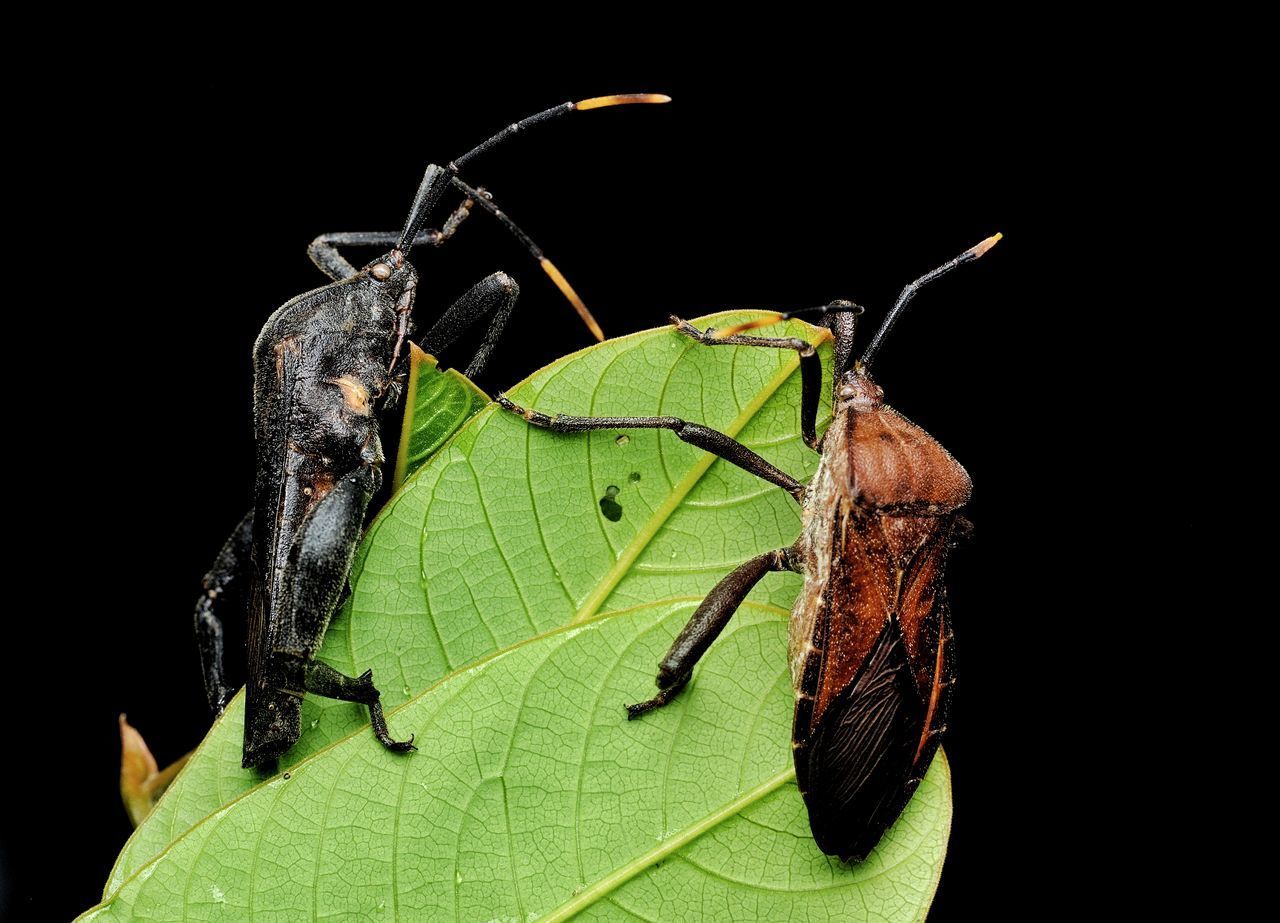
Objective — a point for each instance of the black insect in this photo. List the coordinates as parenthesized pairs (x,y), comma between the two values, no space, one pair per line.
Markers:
(871,652)
(326,366)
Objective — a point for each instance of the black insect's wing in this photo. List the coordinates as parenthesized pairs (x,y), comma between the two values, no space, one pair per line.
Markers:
(855,768)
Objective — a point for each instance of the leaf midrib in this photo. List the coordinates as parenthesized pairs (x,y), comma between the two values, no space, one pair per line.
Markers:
(625,873)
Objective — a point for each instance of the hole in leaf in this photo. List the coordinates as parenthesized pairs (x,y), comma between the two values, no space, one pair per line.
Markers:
(611,508)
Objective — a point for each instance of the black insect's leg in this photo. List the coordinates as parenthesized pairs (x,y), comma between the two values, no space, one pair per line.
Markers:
(810,368)
(227,567)
(324,249)
(703,437)
(707,623)
(324,680)
(317,567)
(496,295)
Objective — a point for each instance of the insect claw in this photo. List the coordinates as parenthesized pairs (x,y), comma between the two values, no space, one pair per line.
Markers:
(641,708)
(507,404)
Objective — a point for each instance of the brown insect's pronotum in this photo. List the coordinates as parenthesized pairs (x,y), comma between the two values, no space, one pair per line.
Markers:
(871,640)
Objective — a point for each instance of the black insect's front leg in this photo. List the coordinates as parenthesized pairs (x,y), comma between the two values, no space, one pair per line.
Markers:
(318,564)
(696,434)
(495,294)
(324,249)
(706,624)
(810,368)
(228,569)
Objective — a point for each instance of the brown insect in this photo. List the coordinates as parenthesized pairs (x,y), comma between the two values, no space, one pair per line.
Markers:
(871,639)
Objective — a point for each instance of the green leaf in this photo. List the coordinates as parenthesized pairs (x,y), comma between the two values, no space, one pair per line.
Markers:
(535,799)
(502,536)
(436,404)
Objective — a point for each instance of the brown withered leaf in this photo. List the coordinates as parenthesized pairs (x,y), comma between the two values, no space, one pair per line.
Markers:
(142,782)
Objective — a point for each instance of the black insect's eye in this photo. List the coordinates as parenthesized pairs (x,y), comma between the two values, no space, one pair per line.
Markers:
(381,272)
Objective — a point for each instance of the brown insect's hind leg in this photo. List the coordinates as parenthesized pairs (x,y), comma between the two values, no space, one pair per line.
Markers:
(227,567)
(710,440)
(810,368)
(324,680)
(707,622)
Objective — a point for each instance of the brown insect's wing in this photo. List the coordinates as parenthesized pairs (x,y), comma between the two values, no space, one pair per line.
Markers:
(852,767)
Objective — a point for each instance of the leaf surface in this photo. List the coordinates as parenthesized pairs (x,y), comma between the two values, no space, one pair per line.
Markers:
(437,403)
(536,800)
(503,536)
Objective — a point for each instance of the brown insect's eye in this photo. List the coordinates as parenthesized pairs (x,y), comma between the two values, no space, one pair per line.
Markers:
(381,272)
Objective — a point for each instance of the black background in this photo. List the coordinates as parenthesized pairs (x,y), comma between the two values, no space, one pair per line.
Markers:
(191,208)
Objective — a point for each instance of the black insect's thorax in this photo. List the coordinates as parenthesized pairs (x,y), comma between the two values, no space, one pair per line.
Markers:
(322,375)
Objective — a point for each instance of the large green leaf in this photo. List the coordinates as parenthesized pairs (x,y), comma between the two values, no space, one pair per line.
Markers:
(503,536)
(536,800)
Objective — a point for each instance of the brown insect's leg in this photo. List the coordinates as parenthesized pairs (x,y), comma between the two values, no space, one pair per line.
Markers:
(810,368)
(227,567)
(324,680)
(496,295)
(706,624)
(710,440)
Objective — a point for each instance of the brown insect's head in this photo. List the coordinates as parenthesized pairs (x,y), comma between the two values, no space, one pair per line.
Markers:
(858,391)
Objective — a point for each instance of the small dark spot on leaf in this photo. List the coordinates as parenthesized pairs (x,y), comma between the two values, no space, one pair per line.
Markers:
(286,776)
(611,508)
(635,476)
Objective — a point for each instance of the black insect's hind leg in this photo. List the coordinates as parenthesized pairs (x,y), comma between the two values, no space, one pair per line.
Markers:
(315,576)
(706,624)
(227,567)
(493,295)
(703,437)
(324,249)
(324,680)
(810,368)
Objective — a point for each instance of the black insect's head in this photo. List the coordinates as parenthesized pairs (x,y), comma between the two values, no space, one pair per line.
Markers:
(392,272)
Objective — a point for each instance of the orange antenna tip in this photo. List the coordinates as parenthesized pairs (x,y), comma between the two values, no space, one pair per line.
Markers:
(986,245)
(621,99)
(567,290)
(749,325)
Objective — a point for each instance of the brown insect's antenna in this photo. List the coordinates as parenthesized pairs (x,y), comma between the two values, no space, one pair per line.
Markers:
(482,199)
(909,292)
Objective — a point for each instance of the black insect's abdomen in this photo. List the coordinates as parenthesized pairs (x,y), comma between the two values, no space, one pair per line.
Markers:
(855,768)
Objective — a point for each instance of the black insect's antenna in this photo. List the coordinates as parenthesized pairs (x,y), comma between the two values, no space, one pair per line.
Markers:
(597,102)
(435,179)
(909,292)
(482,199)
